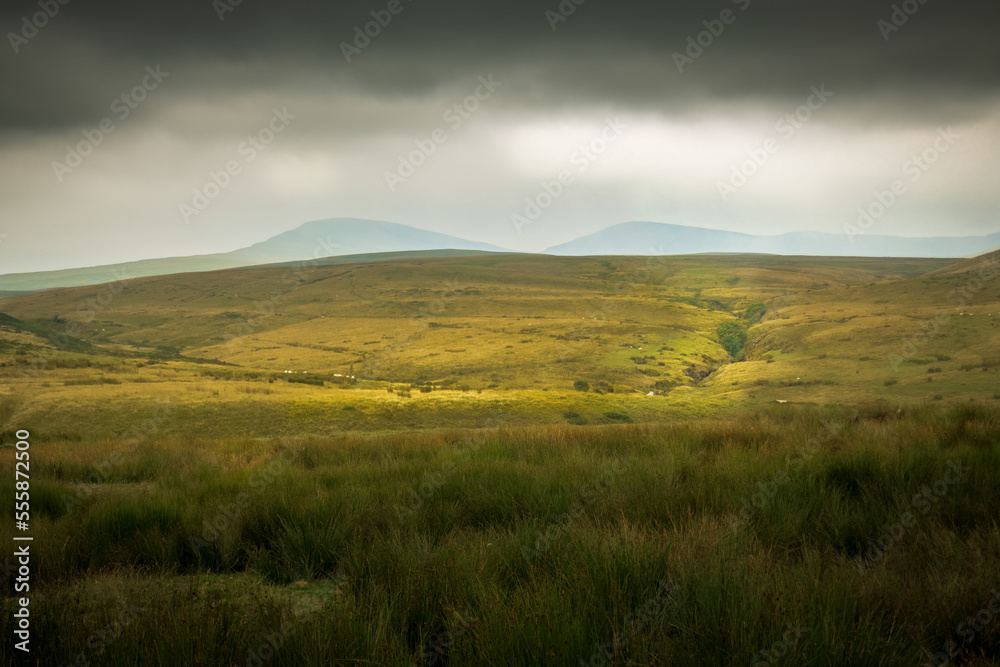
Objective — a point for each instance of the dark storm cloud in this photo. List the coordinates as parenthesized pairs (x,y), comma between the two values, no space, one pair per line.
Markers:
(605,52)
(73,196)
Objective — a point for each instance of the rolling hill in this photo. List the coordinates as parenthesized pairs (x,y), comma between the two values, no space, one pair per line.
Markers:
(309,349)
(351,239)
(313,240)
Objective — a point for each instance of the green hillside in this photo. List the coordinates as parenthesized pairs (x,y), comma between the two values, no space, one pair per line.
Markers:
(434,342)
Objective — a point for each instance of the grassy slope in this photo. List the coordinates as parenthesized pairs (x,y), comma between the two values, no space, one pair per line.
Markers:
(868,339)
(513,331)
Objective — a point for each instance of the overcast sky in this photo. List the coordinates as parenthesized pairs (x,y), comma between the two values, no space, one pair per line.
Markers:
(664,133)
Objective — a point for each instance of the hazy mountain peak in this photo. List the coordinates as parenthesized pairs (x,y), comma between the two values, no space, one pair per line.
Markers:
(312,240)
(657,238)
(352,236)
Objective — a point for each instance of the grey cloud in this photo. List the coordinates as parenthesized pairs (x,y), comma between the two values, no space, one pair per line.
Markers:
(619,51)
(355,119)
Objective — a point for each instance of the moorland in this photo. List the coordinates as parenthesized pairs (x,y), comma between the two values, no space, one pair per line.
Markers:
(513,459)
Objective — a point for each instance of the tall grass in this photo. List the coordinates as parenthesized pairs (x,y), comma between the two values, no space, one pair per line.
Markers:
(616,544)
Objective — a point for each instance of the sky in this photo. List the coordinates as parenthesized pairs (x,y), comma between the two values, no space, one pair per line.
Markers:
(139,130)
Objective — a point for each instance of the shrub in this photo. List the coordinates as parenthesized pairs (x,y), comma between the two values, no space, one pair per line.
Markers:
(755,311)
(619,417)
(732,337)
(581,385)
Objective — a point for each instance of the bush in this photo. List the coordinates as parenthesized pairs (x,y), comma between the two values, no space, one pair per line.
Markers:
(732,337)
(755,311)
(581,385)
(619,417)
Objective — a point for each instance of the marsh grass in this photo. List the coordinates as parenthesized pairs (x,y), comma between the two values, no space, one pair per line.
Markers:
(394,537)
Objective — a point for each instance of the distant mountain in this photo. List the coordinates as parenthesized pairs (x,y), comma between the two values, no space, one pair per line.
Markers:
(348,239)
(654,238)
(343,236)
(313,240)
